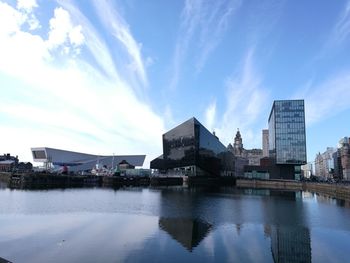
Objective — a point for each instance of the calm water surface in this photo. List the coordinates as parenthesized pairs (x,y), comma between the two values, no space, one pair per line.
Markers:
(172,225)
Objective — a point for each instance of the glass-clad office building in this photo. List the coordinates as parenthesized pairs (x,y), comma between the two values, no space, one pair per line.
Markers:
(287,138)
(191,149)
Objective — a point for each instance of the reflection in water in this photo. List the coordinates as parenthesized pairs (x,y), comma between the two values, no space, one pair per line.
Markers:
(290,238)
(187,232)
(290,244)
(2,260)
(172,225)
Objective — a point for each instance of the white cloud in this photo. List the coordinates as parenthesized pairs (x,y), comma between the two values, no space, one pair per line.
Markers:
(93,42)
(62,31)
(27,5)
(326,99)
(341,30)
(121,31)
(208,21)
(10,19)
(213,28)
(69,104)
(33,22)
(210,116)
(246,106)
(190,19)
(338,35)
(169,117)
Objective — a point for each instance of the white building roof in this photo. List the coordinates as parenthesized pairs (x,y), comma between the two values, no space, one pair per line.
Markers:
(82,161)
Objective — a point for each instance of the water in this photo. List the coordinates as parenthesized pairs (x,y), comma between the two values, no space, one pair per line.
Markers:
(172,225)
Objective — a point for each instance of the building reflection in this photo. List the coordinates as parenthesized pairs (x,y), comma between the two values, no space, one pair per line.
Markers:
(281,212)
(2,260)
(290,244)
(188,232)
(285,224)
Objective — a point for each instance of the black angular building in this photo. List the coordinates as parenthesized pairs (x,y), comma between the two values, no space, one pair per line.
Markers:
(192,150)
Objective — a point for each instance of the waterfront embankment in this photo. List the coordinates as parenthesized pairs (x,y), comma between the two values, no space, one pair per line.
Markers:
(5,178)
(270,184)
(340,191)
(47,181)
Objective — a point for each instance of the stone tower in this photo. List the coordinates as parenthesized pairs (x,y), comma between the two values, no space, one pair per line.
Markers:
(238,144)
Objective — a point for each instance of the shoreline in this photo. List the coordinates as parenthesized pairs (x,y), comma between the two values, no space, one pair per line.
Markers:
(339,191)
(50,181)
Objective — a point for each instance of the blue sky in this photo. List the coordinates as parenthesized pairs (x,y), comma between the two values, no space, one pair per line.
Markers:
(112,76)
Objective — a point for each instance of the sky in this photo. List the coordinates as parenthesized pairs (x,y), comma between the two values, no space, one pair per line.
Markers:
(110,77)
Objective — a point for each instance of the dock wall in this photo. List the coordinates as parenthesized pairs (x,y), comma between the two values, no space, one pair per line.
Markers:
(270,184)
(334,190)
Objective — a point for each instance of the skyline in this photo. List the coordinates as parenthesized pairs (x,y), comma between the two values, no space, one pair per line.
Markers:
(109,77)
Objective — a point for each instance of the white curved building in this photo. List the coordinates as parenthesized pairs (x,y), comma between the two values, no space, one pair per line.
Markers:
(76,161)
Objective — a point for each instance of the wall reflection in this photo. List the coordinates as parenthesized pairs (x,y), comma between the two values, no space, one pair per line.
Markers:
(188,232)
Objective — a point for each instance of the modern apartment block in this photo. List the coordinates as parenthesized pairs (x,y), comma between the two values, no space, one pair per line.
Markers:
(287,137)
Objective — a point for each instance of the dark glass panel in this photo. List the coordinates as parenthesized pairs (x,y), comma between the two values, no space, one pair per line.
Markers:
(39,154)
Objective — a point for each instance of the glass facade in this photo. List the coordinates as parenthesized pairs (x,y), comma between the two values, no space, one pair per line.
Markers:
(287,139)
(192,147)
(39,154)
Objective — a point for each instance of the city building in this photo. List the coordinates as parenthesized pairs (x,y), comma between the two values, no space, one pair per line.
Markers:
(344,144)
(307,171)
(77,162)
(324,163)
(7,165)
(287,138)
(265,142)
(253,156)
(338,169)
(238,149)
(190,149)
(8,162)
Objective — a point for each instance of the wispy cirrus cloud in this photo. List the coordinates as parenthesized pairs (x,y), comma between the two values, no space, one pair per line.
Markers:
(341,30)
(129,61)
(208,22)
(247,102)
(210,115)
(94,43)
(115,23)
(326,98)
(325,95)
(213,29)
(337,36)
(65,101)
